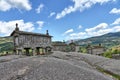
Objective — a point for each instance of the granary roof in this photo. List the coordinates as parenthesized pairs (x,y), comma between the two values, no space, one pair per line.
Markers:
(17,31)
(96,47)
(57,43)
(29,33)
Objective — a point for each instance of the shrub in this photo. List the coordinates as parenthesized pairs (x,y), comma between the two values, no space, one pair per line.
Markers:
(108,54)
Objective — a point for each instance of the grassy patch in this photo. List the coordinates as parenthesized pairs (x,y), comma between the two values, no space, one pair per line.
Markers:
(116,76)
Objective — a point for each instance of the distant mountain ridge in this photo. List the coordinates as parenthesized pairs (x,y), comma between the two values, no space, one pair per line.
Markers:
(117,34)
(6,44)
(108,40)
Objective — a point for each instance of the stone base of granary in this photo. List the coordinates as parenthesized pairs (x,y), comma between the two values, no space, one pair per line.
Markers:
(33,51)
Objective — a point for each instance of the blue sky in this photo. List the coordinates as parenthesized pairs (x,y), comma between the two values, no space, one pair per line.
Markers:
(65,19)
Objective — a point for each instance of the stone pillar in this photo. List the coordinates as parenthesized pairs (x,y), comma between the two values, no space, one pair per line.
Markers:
(40,50)
(77,48)
(20,52)
(17,52)
(43,51)
(51,49)
(34,52)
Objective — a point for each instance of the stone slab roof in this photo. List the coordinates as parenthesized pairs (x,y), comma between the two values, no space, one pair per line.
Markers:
(59,44)
(29,33)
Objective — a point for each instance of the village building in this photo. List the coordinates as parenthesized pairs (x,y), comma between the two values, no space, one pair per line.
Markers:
(74,47)
(59,46)
(95,50)
(62,46)
(31,43)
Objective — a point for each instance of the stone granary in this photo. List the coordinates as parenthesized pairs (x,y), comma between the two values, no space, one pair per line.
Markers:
(96,50)
(31,43)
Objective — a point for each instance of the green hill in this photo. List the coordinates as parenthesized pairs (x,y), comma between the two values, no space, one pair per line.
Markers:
(108,40)
(6,44)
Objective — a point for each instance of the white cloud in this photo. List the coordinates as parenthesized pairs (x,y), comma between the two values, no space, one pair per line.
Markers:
(98,27)
(68,31)
(98,30)
(115,11)
(116,22)
(40,23)
(39,9)
(79,35)
(116,28)
(52,14)
(83,35)
(79,27)
(80,5)
(7,27)
(65,12)
(6,5)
